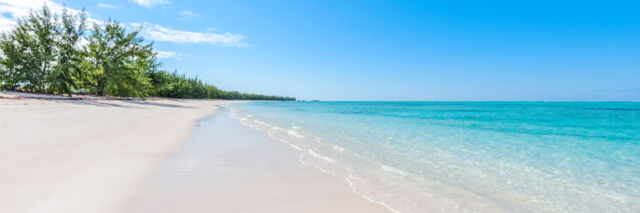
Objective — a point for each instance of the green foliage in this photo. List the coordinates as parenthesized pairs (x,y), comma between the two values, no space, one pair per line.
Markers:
(44,54)
(117,62)
(67,71)
(11,62)
(41,48)
(28,52)
(173,85)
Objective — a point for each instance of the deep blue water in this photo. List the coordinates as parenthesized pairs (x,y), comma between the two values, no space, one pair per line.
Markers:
(468,156)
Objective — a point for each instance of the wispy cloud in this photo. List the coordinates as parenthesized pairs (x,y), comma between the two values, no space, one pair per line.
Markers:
(150,3)
(187,14)
(167,54)
(160,33)
(10,11)
(107,6)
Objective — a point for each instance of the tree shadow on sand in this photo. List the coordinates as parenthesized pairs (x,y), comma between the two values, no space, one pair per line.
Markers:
(92,100)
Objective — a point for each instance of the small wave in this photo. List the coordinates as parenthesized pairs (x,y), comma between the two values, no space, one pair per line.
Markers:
(265,124)
(285,142)
(295,134)
(272,131)
(338,148)
(350,180)
(325,158)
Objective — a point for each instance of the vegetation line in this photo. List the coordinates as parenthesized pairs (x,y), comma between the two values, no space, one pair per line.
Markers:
(47,53)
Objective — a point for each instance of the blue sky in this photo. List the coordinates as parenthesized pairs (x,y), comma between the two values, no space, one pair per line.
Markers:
(393,50)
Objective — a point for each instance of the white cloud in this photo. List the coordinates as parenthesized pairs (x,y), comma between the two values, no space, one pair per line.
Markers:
(150,3)
(189,14)
(160,33)
(107,6)
(167,54)
(12,10)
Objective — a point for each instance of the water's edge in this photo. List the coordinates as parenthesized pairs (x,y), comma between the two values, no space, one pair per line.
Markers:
(466,156)
(359,186)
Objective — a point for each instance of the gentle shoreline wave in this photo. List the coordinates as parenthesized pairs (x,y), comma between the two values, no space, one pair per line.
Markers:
(304,155)
(359,186)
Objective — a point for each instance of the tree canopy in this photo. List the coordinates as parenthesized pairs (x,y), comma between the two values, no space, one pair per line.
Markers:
(60,54)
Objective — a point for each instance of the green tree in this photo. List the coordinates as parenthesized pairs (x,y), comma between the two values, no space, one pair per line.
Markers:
(12,60)
(25,53)
(43,54)
(39,43)
(117,61)
(67,70)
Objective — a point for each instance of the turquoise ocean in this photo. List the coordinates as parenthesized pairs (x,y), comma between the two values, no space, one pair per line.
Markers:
(467,156)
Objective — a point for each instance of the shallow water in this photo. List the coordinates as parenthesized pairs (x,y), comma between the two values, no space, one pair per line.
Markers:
(468,156)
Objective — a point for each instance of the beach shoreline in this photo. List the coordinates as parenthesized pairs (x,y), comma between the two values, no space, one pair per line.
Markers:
(95,154)
(228,167)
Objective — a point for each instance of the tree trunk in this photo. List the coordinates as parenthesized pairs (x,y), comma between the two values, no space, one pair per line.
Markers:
(100,89)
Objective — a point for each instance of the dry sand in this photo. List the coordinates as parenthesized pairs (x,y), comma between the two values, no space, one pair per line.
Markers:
(98,155)
(85,155)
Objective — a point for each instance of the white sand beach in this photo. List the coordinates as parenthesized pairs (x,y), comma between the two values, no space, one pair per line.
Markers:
(228,167)
(97,155)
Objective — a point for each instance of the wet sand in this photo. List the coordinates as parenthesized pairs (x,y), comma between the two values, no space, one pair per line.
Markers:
(227,167)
